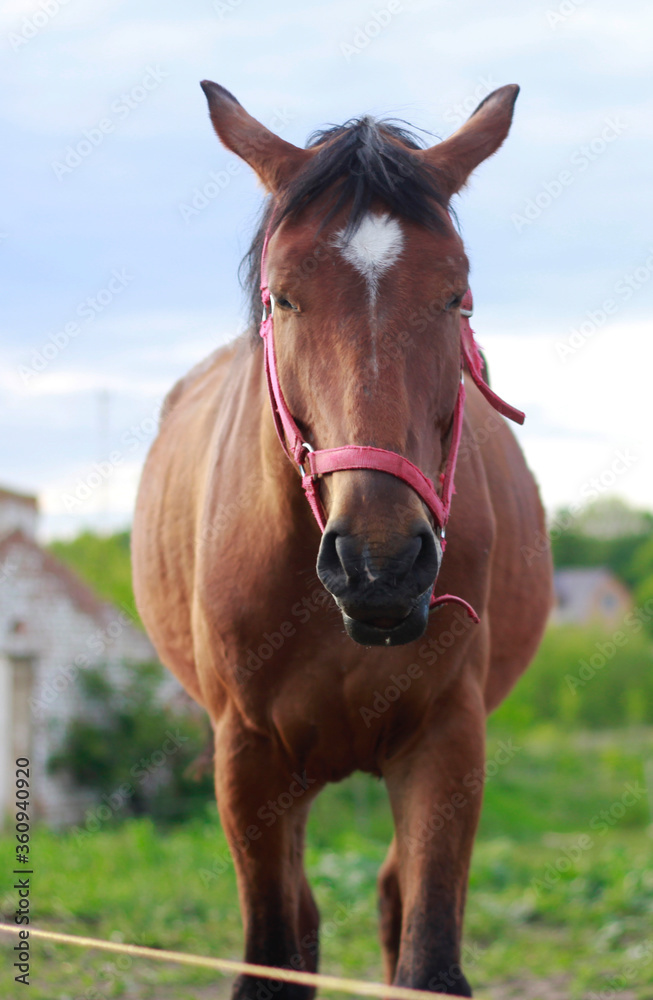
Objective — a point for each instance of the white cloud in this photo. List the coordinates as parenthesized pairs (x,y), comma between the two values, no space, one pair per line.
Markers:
(588,409)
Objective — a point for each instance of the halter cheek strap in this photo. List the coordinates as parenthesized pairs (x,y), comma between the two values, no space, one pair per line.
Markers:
(324,461)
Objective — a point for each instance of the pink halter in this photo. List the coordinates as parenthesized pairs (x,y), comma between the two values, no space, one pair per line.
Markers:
(313,464)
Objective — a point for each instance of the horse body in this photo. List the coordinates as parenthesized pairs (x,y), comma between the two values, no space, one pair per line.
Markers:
(225,549)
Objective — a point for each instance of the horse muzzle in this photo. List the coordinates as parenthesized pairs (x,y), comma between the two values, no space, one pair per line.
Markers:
(383,596)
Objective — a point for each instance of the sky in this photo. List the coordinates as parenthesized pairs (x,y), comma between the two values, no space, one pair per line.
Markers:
(123,219)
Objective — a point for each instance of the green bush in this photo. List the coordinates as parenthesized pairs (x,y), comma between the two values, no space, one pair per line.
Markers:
(137,753)
(582,677)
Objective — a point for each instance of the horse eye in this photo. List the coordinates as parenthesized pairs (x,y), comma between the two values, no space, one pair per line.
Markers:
(453,302)
(285,303)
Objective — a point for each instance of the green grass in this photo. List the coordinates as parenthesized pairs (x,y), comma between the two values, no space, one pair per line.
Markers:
(175,888)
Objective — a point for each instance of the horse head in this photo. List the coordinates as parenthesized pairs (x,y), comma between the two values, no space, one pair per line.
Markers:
(366,274)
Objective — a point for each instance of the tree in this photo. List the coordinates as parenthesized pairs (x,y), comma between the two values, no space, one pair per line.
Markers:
(103,562)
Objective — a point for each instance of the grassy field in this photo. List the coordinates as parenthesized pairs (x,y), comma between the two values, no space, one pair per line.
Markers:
(560,903)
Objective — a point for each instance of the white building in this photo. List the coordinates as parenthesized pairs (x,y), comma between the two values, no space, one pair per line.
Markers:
(52,626)
(589,596)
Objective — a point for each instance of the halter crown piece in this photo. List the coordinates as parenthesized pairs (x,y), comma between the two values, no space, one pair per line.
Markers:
(315,463)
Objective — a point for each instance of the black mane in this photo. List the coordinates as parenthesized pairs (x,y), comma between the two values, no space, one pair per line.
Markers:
(361,163)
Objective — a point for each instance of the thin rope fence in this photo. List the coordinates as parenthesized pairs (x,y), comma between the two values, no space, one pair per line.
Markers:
(231,967)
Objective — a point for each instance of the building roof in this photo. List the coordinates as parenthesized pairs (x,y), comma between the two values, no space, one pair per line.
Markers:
(80,594)
(22,498)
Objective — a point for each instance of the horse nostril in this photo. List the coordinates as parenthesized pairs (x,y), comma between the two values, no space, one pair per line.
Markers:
(350,558)
(408,559)
(429,557)
(330,569)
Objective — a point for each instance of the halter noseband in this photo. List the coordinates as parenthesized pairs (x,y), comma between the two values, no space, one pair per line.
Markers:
(323,461)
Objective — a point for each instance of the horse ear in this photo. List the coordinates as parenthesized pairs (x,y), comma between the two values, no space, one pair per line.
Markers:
(479,137)
(273,159)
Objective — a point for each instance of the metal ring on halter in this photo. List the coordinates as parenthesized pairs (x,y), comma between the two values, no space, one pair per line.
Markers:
(268,308)
(306,447)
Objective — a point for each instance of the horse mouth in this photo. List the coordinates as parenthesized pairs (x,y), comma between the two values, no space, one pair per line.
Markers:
(385,630)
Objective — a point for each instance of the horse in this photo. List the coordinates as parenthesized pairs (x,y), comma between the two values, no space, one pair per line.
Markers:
(336,635)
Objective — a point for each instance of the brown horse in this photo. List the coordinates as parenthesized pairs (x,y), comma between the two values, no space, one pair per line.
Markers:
(366,274)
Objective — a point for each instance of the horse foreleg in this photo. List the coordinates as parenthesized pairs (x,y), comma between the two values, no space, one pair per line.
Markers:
(435,791)
(263,805)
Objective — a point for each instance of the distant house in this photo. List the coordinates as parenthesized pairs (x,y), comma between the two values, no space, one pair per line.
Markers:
(589,596)
(52,626)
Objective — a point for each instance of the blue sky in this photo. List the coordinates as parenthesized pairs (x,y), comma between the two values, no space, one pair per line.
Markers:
(112,287)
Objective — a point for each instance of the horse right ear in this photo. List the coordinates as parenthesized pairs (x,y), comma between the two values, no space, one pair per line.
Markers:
(478,138)
(274,160)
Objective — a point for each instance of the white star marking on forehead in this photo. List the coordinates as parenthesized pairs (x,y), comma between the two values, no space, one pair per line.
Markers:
(373,248)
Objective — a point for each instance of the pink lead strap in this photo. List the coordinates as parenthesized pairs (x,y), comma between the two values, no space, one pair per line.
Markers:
(321,462)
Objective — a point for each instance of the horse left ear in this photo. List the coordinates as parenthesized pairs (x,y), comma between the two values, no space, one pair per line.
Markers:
(479,137)
(274,160)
